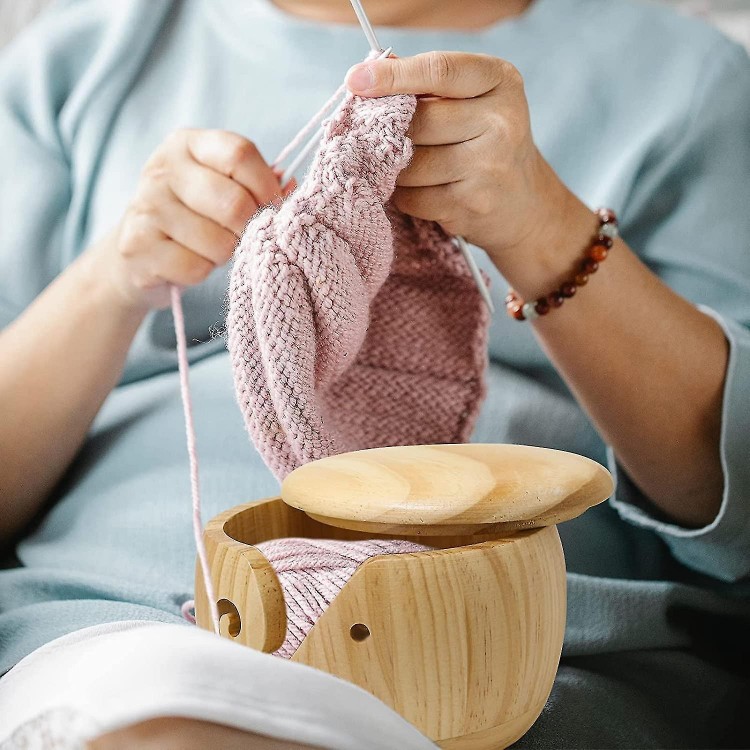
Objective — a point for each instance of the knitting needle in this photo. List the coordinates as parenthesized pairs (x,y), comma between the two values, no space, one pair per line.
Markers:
(463,246)
(311,144)
(364,22)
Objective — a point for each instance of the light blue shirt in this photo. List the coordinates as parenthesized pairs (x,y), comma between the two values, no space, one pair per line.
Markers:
(635,107)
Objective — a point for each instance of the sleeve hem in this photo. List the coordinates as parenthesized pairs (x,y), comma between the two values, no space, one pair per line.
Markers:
(714,548)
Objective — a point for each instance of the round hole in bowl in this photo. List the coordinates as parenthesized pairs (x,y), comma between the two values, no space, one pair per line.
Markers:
(359,632)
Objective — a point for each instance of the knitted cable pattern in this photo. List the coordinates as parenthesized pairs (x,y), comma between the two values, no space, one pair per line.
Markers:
(351,325)
(313,571)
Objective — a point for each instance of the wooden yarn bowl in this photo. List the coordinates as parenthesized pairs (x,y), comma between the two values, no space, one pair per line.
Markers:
(464,640)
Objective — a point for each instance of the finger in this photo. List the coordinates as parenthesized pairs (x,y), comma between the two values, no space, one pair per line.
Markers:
(212,195)
(435,203)
(456,75)
(177,264)
(236,157)
(440,121)
(435,165)
(156,259)
(196,232)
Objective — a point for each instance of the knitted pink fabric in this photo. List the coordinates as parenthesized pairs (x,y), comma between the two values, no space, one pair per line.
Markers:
(351,325)
(313,571)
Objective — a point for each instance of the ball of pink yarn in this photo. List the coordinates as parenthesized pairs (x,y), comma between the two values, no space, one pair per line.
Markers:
(313,571)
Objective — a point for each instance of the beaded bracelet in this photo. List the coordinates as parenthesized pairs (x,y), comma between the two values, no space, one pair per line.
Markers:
(595,254)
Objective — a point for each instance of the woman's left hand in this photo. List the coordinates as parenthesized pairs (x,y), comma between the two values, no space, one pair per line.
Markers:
(475,169)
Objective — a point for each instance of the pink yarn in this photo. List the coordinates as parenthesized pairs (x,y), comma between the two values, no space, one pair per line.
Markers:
(313,571)
(308,128)
(350,324)
(187,408)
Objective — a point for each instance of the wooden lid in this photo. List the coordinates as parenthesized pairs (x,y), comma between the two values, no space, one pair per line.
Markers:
(447,489)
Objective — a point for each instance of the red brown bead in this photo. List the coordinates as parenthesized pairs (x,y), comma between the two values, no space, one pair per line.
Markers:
(606,216)
(581,279)
(568,289)
(555,299)
(589,266)
(515,310)
(604,240)
(542,306)
(597,253)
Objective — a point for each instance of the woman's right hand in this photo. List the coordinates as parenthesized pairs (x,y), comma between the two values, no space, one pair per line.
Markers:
(196,193)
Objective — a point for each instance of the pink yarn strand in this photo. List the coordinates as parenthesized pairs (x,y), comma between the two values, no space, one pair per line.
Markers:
(309,127)
(317,118)
(187,406)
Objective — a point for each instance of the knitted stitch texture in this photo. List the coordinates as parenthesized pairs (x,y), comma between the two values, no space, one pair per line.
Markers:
(350,324)
(313,571)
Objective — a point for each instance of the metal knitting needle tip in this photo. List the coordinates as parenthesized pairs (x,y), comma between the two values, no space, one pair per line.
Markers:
(364,22)
(477,276)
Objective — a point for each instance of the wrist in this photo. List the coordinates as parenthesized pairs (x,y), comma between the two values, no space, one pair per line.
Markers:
(98,273)
(559,232)
(596,253)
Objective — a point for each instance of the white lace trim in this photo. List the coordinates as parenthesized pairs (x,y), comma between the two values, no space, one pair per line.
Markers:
(56,729)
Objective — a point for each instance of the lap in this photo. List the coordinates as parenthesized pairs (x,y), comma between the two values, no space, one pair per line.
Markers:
(642,699)
(114,677)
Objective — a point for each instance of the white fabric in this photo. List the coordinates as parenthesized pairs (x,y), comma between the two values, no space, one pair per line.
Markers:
(56,729)
(107,677)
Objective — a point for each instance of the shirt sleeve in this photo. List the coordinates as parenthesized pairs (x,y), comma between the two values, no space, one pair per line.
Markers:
(34,168)
(62,80)
(689,219)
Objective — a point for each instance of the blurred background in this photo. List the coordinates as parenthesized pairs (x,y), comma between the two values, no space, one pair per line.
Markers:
(731,16)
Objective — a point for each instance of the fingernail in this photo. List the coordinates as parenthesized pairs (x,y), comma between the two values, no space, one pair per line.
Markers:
(360,79)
